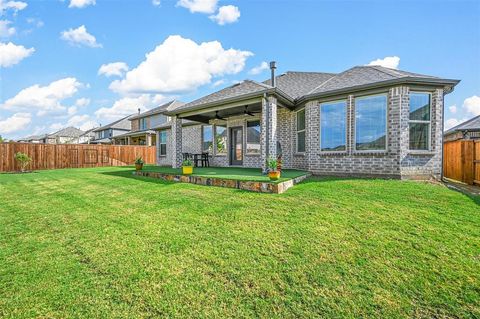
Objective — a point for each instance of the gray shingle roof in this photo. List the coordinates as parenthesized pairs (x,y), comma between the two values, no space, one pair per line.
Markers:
(470,125)
(362,75)
(303,85)
(239,89)
(121,124)
(67,132)
(298,84)
(160,109)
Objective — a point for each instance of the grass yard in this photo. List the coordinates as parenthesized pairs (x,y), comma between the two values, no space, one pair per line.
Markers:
(236,173)
(102,243)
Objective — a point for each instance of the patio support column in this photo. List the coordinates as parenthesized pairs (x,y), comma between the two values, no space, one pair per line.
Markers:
(268,137)
(129,140)
(157,147)
(176,142)
(149,140)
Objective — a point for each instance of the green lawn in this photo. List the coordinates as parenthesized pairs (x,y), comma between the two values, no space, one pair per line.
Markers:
(101,243)
(237,173)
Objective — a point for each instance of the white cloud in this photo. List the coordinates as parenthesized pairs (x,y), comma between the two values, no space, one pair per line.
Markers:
(453,109)
(36,22)
(11,54)
(16,122)
(218,83)
(72,110)
(259,69)
(453,122)
(226,14)
(202,6)
(80,3)
(81,102)
(156,3)
(391,62)
(5,30)
(181,65)
(472,105)
(129,105)
(79,37)
(115,68)
(44,99)
(12,5)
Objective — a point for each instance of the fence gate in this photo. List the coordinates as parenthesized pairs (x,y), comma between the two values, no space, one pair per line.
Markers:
(461,161)
(476,162)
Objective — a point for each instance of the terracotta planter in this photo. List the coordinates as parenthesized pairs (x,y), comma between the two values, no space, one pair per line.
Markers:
(274,175)
(138,167)
(187,170)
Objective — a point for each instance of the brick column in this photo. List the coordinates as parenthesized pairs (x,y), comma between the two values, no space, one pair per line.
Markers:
(268,105)
(436,132)
(149,140)
(176,142)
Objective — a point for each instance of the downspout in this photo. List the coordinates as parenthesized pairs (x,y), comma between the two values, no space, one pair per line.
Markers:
(443,121)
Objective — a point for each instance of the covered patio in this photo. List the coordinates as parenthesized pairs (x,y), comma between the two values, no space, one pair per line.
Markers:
(242,123)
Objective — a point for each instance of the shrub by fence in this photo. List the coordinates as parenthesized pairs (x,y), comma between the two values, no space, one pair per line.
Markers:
(53,156)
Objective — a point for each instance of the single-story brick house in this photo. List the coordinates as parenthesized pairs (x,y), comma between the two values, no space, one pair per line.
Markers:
(367,120)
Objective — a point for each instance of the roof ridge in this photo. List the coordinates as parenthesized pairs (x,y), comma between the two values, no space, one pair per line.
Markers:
(463,123)
(314,72)
(377,67)
(260,83)
(323,83)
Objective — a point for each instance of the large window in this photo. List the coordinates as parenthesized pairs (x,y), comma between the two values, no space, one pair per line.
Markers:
(207,138)
(253,137)
(333,125)
(419,121)
(143,124)
(221,139)
(371,123)
(163,142)
(301,131)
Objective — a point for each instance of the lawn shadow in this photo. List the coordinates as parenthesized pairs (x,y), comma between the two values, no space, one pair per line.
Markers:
(130,174)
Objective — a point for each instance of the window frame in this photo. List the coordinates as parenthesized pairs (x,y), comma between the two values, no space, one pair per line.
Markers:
(215,149)
(429,122)
(354,119)
(246,137)
(299,131)
(160,142)
(346,126)
(212,140)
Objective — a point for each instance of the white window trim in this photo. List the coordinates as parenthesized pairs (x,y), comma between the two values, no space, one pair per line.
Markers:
(160,143)
(215,153)
(429,136)
(346,126)
(246,137)
(354,142)
(299,131)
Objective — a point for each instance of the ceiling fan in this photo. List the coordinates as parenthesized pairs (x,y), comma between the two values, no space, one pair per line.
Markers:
(218,117)
(247,112)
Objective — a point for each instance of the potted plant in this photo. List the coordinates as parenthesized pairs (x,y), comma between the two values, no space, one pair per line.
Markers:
(138,163)
(273,172)
(187,167)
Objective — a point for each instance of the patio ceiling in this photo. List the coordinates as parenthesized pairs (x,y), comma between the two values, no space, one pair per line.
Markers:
(223,112)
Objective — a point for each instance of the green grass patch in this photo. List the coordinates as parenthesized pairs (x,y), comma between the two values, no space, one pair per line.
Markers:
(102,243)
(235,173)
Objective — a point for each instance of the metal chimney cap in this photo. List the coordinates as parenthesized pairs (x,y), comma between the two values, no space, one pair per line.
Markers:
(273,65)
(138,110)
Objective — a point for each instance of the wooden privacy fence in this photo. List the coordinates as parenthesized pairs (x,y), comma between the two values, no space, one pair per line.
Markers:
(52,156)
(461,161)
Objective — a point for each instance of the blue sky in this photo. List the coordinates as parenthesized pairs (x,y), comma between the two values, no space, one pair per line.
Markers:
(52,51)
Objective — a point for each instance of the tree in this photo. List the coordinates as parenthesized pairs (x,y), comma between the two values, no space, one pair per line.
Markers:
(1,139)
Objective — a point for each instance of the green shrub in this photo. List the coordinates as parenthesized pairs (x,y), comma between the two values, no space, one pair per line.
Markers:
(272,164)
(139,161)
(23,159)
(187,162)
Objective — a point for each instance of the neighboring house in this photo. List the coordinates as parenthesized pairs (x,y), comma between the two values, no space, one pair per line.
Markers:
(105,134)
(367,120)
(68,135)
(33,139)
(468,130)
(86,137)
(143,125)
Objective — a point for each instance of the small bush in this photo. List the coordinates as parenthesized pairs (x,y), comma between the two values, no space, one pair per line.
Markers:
(23,159)
(139,160)
(272,164)
(187,162)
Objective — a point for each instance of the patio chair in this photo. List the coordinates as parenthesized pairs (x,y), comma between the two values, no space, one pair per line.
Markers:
(205,160)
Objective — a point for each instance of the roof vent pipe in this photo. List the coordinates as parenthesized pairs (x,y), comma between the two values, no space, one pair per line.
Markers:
(138,110)
(273,66)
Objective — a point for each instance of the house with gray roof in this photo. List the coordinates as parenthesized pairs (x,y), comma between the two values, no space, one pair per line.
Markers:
(143,125)
(367,120)
(468,130)
(105,134)
(68,135)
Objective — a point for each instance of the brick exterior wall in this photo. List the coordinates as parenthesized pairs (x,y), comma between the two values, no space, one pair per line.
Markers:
(397,161)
